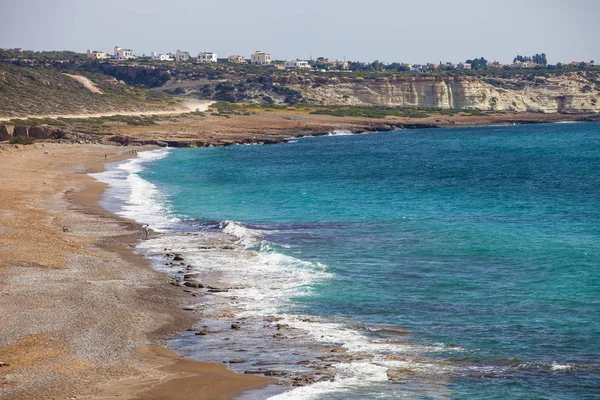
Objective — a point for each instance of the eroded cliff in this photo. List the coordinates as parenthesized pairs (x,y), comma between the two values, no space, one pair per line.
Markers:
(567,93)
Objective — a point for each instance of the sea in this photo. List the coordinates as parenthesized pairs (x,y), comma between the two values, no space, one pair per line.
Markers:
(458,263)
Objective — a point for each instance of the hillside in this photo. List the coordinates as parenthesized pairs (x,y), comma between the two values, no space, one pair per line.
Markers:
(522,91)
(35,87)
(39,90)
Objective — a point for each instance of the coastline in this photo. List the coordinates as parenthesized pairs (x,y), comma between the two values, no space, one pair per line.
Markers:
(87,317)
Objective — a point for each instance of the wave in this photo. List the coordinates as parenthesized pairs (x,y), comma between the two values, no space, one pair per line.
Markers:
(340,132)
(132,197)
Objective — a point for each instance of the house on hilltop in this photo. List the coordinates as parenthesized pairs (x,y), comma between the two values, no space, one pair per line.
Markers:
(237,59)
(297,64)
(207,57)
(161,57)
(260,58)
(182,55)
(123,54)
(97,55)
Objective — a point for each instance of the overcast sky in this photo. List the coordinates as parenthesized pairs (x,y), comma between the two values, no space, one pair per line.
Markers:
(415,31)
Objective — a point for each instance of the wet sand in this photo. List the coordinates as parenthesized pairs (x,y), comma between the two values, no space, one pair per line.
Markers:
(82,315)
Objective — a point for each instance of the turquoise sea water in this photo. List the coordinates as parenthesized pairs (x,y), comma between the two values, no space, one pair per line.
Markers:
(481,245)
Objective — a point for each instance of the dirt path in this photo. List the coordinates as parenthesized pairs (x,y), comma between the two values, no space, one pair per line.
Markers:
(187,106)
(89,85)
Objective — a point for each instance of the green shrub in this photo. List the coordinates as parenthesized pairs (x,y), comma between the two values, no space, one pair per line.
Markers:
(22,140)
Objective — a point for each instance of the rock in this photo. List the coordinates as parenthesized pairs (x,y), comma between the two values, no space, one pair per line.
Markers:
(4,364)
(235,326)
(189,277)
(21,131)
(216,290)
(201,333)
(123,140)
(193,284)
(177,257)
(43,132)
(6,132)
(256,371)
(237,361)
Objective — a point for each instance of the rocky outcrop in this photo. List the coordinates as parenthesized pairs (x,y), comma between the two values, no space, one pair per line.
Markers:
(567,93)
(21,131)
(43,132)
(6,132)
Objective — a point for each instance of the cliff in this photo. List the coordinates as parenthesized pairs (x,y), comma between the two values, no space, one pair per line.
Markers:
(566,93)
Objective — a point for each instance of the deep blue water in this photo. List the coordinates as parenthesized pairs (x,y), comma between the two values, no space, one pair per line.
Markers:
(485,240)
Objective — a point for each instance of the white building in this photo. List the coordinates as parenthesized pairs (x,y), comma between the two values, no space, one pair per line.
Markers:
(182,55)
(207,57)
(297,64)
(260,58)
(237,59)
(123,54)
(97,55)
(161,57)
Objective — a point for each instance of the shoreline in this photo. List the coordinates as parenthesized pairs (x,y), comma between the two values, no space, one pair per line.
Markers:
(110,312)
(263,126)
(271,127)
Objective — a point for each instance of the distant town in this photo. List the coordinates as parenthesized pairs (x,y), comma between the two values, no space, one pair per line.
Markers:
(324,64)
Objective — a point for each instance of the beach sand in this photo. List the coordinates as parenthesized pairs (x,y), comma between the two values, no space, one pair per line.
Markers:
(82,315)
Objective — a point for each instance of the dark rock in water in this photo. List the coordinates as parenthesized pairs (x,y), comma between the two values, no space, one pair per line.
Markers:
(279,336)
(189,277)
(201,333)
(215,290)
(193,284)
(255,371)
(235,326)
(237,361)
(178,257)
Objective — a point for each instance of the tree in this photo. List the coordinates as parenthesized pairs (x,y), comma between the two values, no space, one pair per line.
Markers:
(478,63)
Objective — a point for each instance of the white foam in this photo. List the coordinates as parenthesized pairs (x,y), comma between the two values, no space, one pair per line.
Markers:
(340,132)
(247,237)
(139,199)
(347,377)
(561,367)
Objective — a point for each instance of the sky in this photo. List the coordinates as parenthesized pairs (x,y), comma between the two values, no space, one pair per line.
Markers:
(414,31)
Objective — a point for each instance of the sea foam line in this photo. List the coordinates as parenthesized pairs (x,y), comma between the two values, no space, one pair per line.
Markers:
(136,198)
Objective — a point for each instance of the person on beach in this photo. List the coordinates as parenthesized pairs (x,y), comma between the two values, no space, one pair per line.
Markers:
(146,231)
(65,228)
(105,157)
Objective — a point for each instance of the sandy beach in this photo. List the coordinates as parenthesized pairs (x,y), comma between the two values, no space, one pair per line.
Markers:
(82,315)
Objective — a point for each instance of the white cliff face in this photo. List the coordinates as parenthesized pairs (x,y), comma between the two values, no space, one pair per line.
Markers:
(567,93)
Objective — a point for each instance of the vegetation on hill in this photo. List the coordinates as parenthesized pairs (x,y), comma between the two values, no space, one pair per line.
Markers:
(37,90)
